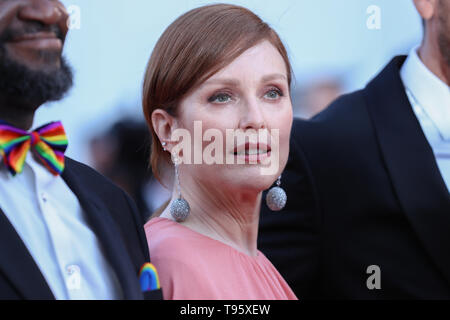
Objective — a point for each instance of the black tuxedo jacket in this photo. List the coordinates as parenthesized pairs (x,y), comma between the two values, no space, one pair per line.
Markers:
(363,190)
(113,218)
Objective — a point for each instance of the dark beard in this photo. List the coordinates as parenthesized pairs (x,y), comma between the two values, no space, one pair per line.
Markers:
(444,31)
(19,81)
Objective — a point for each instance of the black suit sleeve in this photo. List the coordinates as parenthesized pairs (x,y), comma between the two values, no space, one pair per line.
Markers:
(138,225)
(121,207)
(291,238)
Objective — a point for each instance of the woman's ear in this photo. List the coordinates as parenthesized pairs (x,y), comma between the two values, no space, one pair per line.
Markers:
(163,124)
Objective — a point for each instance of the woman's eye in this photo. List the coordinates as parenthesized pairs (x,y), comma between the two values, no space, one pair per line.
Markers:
(220,98)
(273,94)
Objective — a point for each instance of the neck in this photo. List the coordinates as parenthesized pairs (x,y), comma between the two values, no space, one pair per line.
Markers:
(229,216)
(18,113)
(432,58)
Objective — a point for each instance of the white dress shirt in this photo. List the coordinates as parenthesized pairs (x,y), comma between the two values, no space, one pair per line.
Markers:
(430,99)
(50,221)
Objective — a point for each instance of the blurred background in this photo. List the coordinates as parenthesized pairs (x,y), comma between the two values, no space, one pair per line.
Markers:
(335,47)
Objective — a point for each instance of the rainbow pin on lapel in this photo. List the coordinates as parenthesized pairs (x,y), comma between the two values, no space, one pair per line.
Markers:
(148,277)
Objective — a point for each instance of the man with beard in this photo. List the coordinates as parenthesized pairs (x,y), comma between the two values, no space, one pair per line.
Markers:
(368,213)
(65,231)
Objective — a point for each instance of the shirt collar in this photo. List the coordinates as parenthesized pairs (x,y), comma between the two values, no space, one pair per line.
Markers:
(34,165)
(430,92)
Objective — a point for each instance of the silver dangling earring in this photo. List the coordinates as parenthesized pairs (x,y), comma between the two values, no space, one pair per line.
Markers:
(164,144)
(276,198)
(179,209)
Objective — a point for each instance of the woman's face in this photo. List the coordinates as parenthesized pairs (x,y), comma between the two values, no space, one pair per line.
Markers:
(250,96)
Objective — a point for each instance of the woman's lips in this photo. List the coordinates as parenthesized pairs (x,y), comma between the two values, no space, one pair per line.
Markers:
(252,152)
(254,158)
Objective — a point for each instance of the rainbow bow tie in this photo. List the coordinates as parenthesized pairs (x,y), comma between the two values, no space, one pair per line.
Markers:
(49,143)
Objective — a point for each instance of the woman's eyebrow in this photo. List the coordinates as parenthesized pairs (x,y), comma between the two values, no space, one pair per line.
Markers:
(223,81)
(236,82)
(274,76)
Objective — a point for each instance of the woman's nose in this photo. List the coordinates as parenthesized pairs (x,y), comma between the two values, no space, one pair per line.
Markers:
(252,117)
(47,12)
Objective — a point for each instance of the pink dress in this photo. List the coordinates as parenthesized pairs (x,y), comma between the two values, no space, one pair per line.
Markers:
(192,266)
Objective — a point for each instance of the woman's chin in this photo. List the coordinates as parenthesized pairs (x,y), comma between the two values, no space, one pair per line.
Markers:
(247,179)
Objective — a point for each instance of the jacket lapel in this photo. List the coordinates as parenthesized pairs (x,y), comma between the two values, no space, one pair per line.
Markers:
(108,234)
(409,159)
(18,266)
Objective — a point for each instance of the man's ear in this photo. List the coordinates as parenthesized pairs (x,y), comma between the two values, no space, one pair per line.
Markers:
(426,8)
(163,124)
